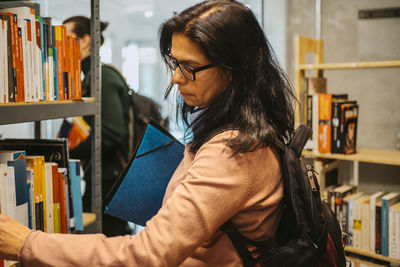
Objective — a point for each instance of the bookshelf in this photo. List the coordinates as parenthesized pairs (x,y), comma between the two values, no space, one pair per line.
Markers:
(377,156)
(46,110)
(371,255)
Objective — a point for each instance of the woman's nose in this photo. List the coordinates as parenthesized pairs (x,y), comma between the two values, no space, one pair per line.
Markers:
(178,78)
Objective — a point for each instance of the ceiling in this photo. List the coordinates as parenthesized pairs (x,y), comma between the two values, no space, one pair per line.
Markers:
(127,18)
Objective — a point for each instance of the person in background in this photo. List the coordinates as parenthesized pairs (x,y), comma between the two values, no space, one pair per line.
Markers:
(114,132)
(222,64)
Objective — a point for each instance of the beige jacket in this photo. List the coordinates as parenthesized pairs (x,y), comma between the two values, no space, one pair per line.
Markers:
(206,189)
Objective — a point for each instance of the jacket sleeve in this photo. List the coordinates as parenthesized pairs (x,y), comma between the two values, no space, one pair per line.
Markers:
(191,215)
(113,101)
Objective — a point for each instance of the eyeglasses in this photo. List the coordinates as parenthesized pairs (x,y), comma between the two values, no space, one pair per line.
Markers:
(188,72)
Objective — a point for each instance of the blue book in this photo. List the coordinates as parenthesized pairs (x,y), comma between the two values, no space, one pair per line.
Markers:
(143,182)
(387,201)
(75,170)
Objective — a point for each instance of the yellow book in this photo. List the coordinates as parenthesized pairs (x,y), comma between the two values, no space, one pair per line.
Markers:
(37,164)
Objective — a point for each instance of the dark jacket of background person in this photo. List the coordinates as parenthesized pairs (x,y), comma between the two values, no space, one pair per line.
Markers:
(114,139)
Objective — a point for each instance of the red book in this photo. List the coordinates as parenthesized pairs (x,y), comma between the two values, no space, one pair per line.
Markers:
(62,176)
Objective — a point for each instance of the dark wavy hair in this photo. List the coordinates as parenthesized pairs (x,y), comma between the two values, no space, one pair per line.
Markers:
(259,100)
(82,26)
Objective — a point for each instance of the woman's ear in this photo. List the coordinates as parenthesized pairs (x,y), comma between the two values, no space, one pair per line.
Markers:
(85,43)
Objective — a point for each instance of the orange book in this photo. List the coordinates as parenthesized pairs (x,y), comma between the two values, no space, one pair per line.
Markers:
(324,122)
(14,52)
(65,63)
(20,73)
(37,164)
(77,76)
(58,44)
(71,72)
(62,176)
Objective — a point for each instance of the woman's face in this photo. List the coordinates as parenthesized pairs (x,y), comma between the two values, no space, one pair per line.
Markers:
(209,83)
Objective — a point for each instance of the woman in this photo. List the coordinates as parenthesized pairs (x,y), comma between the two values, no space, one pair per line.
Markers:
(221,64)
(114,132)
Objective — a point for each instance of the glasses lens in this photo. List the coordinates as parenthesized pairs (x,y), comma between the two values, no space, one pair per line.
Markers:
(187,72)
(171,62)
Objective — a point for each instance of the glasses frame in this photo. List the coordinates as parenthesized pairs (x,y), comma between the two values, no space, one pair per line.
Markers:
(170,59)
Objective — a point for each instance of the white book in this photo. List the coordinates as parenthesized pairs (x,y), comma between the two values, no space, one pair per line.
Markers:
(394,237)
(357,221)
(365,225)
(7,183)
(350,211)
(376,197)
(49,196)
(27,13)
(3,190)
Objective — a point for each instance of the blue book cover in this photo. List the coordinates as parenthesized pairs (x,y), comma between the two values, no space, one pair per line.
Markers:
(55,64)
(387,200)
(75,170)
(145,179)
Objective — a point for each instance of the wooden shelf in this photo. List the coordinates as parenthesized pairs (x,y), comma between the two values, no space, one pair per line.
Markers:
(371,255)
(379,156)
(88,218)
(350,65)
(45,110)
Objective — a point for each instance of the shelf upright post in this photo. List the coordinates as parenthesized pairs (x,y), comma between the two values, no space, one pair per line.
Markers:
(95,92)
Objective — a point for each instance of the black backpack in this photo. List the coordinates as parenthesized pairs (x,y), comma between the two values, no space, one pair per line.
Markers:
(141,110)
(308,233)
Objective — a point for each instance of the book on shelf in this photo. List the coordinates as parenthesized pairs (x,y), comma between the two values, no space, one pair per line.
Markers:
(75,170)
(52,150)
(349,135)
(63,191)
(394,235)
(33,58)
(314,86)
(17,160)
(56,199)
(348,211)
(143,182)
(31,198)
(37,164)
(374,215)
(49,195)
(388,200)
(363,262)
(7,62)
(7,191)
(338,195)
(360,225)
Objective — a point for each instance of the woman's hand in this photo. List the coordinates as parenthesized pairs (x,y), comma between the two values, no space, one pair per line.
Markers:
(12,236)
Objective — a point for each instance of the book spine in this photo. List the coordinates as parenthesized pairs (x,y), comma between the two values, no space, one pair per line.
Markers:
(378,230)
(384,227)
(393,246)
(357,225)
(324,123)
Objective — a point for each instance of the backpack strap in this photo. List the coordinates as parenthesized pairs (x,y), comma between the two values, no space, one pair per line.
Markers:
(237,240)
(300,138)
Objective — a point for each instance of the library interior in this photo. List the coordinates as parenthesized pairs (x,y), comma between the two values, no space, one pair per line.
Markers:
(97,120)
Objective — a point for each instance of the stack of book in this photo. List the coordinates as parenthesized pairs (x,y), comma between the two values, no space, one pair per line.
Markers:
(333,118)
(42,191)
(372,220)
(39,61)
